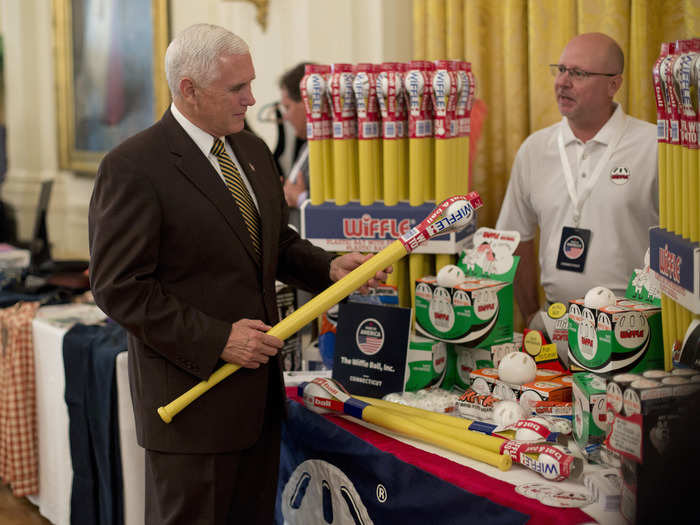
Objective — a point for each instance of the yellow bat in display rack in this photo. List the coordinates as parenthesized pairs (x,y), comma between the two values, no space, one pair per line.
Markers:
(453,214)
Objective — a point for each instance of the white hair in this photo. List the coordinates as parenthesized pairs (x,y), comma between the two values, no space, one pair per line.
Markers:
(194,51)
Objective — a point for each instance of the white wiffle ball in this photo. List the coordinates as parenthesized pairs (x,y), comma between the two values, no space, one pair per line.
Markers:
(598,297)
(507,412)
(465,219)
(517,368)
(529,435)
(450,275)
(553,471)
(312,390)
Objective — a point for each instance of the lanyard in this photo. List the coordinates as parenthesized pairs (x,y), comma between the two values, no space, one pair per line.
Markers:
(579,198)
(296,168)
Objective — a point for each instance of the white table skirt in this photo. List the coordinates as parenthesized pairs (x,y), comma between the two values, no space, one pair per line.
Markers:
(55,468)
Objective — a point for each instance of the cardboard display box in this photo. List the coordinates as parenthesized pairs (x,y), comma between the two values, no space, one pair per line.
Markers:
(647,416)
(619,338)
(467,359)
(354,227)
(483,380)
(426,363)
(642,413)
(590,412)
(479,311)
(543,388)
(624,337)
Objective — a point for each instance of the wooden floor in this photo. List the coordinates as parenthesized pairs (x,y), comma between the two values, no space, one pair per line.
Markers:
(18,511)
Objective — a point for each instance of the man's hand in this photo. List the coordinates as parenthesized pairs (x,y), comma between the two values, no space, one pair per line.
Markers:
(292,190)
(248,345)
(343,265)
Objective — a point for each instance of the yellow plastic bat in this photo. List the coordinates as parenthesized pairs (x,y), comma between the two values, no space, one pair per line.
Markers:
(452,214)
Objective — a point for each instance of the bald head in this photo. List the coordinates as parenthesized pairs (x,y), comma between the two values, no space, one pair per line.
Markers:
(603,53)
(587,101)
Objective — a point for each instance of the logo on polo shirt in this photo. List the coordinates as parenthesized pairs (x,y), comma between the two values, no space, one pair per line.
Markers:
(620,175)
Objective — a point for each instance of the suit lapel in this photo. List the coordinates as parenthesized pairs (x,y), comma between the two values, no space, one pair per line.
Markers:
(189,160)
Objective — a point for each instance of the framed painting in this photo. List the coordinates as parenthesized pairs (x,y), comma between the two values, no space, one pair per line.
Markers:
(110,76)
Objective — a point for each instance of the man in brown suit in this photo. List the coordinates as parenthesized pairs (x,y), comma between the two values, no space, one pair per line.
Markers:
(174,261)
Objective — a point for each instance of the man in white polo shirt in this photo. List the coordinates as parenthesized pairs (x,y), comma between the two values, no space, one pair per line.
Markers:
(589,183)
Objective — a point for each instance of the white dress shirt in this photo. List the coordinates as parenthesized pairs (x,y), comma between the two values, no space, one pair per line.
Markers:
(204,142)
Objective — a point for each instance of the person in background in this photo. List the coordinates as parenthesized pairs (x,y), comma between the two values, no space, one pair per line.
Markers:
(188,233)
(296,183)
(588,183)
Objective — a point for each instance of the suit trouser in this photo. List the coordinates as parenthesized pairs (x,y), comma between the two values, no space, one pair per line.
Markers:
(230,488)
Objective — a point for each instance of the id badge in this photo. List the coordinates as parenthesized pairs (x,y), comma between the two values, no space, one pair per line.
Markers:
(573,249)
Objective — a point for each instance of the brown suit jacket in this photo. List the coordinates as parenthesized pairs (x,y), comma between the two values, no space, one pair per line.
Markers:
(172,262)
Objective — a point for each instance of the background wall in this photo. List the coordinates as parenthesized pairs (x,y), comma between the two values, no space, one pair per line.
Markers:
(323,31)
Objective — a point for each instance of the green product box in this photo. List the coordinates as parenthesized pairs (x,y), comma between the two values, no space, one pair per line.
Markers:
(625,337)
(426,363)
(590,414)
(467,359)
(477,312)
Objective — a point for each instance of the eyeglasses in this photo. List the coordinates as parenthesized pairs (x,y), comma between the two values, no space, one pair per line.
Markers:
(575,73)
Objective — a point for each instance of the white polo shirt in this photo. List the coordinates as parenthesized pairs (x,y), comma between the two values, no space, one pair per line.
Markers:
(622,206)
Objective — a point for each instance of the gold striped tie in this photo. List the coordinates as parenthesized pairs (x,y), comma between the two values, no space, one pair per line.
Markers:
(235,184)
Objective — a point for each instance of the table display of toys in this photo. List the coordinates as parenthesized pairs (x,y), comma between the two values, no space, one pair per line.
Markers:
(591,402)
(589,414)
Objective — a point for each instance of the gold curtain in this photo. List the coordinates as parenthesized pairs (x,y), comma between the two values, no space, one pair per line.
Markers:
(511,42)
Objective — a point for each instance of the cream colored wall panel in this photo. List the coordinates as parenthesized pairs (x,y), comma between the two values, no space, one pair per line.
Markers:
(184,13)
(29,84)
(322,31)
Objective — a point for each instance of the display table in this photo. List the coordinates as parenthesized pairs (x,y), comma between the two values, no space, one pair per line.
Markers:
(55,468)
(392,478)
(419,483)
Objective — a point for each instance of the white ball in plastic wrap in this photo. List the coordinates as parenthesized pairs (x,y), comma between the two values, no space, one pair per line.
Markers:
(450,275)
(312,390)
(517,368)
(454,208)
(546,459)
(507,412)
(598,297)
(394,397)
(561,425)
(529,435)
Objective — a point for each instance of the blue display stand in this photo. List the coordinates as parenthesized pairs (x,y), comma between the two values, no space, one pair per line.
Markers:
(676,261)
(357,228)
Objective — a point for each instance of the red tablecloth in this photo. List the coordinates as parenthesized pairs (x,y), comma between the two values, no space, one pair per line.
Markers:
(469,479)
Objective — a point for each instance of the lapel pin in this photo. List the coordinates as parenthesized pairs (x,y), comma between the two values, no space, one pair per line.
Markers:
(250,165)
